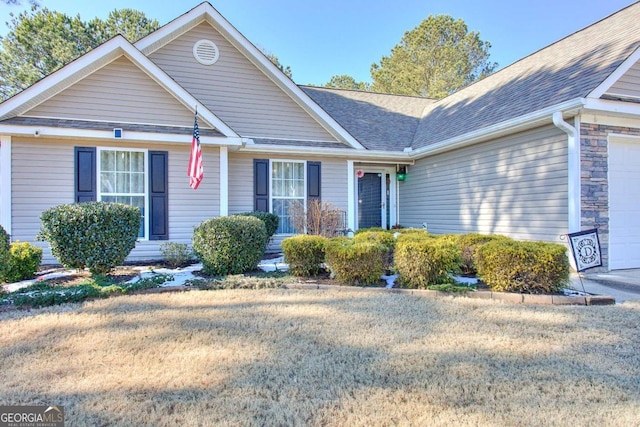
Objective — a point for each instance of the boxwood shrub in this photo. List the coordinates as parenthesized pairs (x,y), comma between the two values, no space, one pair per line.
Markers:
(412,234)
(355,263)
(94,235)
(423,261)
(22,263)
(469,244)
(230,244)
(304,254)
(382,237)
(523,266)
(271,221)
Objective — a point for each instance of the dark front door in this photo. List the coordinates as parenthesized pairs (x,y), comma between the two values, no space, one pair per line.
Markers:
(370,200)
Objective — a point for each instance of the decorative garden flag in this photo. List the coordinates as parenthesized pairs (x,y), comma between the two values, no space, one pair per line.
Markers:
(196,171)
(585,246)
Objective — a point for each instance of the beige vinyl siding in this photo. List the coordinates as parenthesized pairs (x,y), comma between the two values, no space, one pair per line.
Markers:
(42,173)
(628,86)
(334,183)
(515,186)
(235,90)
(118,92)
(41,177)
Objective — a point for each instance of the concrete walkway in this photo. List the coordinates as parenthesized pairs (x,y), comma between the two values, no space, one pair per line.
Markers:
(623,285)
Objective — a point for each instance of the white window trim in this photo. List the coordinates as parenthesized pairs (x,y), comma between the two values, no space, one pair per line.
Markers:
(146,181)
(271,161)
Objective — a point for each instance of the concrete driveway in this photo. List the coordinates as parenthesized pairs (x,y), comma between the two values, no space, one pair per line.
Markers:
(623,285)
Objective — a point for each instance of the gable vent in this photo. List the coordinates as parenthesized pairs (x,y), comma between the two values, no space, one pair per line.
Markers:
(206,52)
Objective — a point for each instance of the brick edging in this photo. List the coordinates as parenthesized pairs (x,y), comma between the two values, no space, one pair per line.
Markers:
(497,296)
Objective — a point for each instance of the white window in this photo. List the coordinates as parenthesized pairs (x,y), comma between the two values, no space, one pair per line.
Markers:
(287,187)
(122,179)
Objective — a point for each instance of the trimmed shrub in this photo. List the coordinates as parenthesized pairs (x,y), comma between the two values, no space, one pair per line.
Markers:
(304,254)
(230,244)
(355,263)
(525,267)
(469,244)
(94,235)
(270,220)
(424,261)
(176,254)
(22,263)
(367,230)
(382,237)
(412,235)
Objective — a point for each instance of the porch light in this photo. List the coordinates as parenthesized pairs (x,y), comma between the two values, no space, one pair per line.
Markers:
(401,174)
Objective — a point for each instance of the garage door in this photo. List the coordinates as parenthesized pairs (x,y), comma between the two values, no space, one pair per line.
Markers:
(624,204)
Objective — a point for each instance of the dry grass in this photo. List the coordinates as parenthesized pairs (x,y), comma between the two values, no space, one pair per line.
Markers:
(285,357)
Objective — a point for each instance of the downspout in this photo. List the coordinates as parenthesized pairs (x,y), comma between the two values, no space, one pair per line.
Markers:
(573,145)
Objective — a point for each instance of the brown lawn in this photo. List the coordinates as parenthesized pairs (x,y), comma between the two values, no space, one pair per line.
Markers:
(324,358)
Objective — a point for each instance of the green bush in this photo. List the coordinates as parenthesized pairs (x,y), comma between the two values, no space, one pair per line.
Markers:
(469,244)
(270,220)
(413,235)
(382,237)
(230,244)
(176,254)
(425,261)
(367,230)
(22,263)
(304,254)
(355,263)
(94,235)
(526,267)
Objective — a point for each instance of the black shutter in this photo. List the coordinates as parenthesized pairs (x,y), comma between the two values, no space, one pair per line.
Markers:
(261,185)
(314,181)
(158,195)
(85,174)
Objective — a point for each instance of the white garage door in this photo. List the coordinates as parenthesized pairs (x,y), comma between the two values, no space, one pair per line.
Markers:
(624,204)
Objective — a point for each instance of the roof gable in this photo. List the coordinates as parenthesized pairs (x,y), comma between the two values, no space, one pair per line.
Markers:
(566,70)
(93,61)
(265,88)
(118,92)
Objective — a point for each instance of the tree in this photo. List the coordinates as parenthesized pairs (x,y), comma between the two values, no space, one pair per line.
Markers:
(41,41)
(345,81)
(132,24)
(274,59)
(435,59)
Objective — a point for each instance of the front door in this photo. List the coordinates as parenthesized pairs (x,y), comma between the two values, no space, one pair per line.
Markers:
(370,200)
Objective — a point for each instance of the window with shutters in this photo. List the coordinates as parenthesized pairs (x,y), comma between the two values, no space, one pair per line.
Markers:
(122,179)
(287,187)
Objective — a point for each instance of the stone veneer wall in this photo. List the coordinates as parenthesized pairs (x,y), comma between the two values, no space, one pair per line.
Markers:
(594,180)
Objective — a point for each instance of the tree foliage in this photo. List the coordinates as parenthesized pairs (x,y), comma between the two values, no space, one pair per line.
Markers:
(274,59)
(345,81)
(435,59)
(41,41)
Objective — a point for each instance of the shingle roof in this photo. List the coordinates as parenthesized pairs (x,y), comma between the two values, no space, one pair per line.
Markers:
(378,121)
(568,69)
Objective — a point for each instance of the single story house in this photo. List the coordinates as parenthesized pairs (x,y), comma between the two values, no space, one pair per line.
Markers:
(546,146)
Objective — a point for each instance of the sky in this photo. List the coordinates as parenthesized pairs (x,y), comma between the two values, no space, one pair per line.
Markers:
(322,38)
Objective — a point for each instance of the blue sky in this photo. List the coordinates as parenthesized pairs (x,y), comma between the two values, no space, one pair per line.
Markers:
(322,38)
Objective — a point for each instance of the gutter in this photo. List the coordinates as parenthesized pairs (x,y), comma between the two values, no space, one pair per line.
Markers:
(573,165)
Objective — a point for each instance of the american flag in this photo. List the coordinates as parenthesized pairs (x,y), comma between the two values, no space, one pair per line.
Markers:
(196,171)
